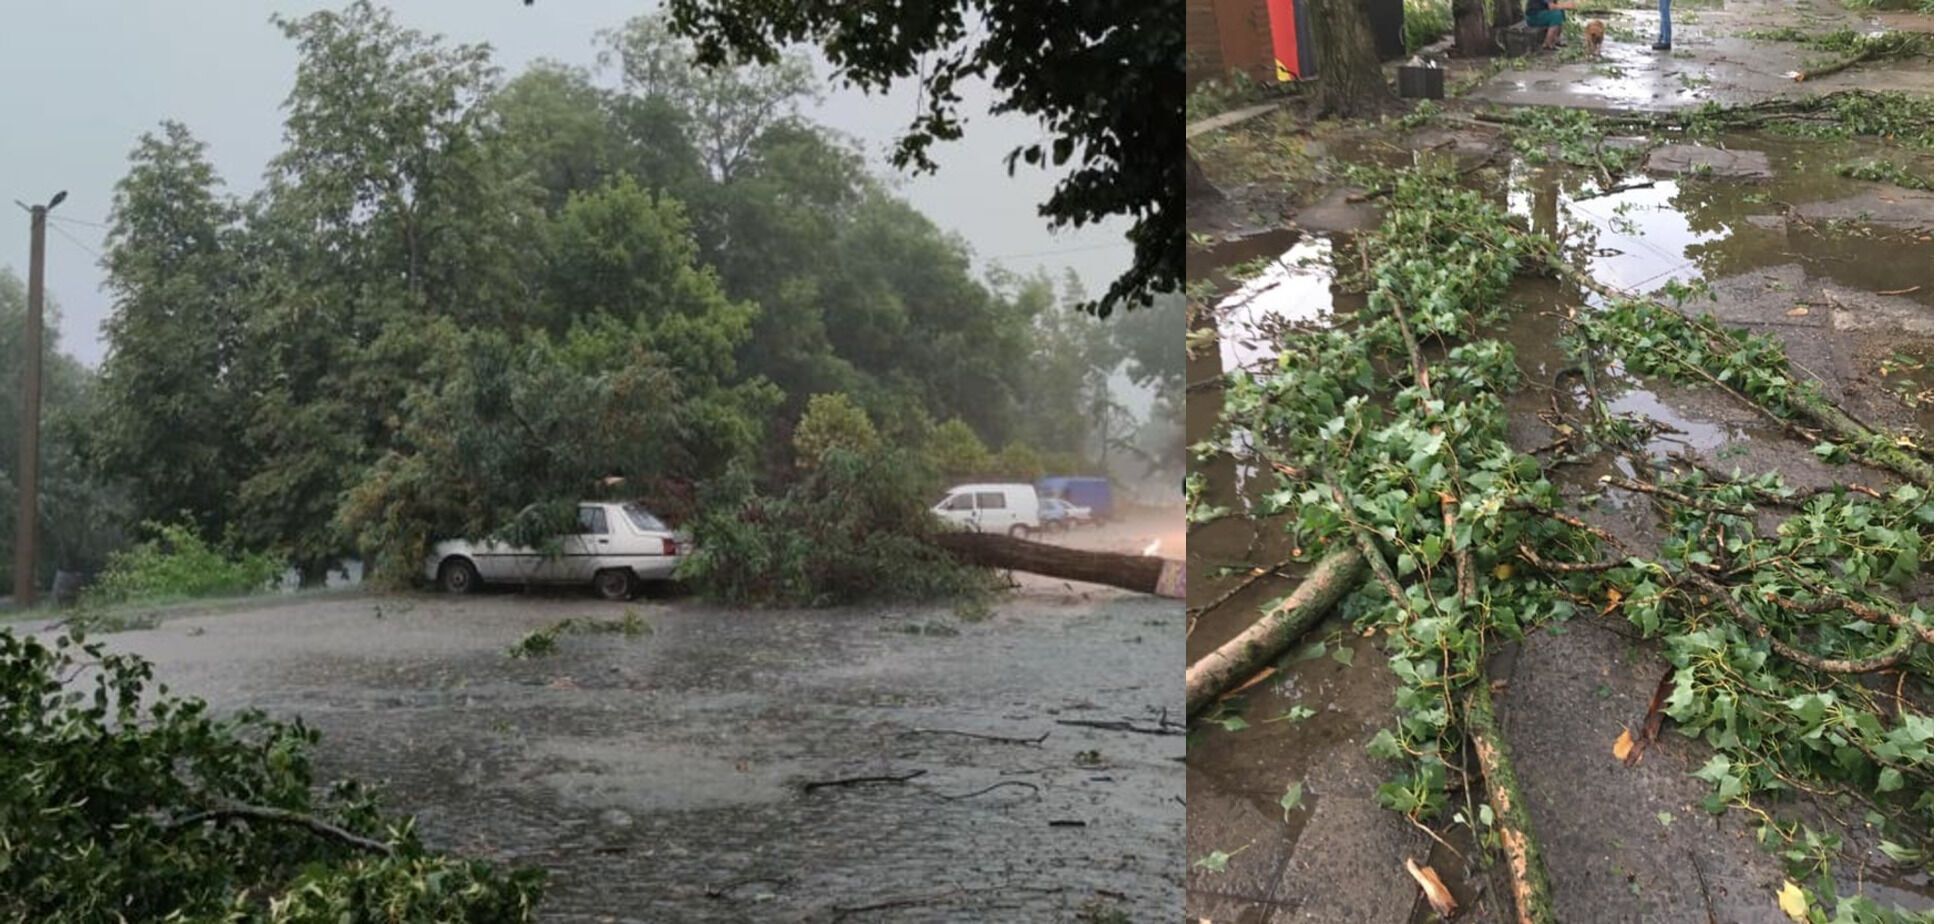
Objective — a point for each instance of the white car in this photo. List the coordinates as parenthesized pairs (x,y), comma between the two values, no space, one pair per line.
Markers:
(619,545)
(1012,509)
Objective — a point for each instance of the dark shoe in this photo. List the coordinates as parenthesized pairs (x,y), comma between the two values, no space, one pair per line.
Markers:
(1662,46)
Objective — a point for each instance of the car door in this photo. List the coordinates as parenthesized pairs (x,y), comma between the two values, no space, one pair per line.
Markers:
(959,510)
(991,513)
(585,552)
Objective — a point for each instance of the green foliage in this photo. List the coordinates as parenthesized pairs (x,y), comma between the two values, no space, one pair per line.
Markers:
(1655,340)
(459,303)
(1544,134)
(1104,79)
(176,329)
(81,518)
(855,528)
(1885,171)
(103,790)
(177,563)
(953,449)
(832,422)
(1425,21)
(1341,405)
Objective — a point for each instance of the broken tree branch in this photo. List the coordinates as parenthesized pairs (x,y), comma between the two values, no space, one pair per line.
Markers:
(1332,577)
(1531,894)
(227,811)
(815,785)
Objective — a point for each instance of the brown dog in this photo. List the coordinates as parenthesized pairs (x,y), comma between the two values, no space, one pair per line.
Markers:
(1595,35)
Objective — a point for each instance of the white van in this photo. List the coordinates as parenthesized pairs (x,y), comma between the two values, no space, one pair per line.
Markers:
(1012,509)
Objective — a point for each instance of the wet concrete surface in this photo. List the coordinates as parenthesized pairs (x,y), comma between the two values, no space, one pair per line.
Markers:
(1838,269)
(659,777)
(1711,61)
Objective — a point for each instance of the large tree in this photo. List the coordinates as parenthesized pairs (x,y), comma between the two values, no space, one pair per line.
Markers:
(390,205)
(1352,82)
(171,423)
(1471,33)
(1106,79)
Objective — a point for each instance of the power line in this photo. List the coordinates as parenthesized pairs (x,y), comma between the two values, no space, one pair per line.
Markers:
(77,241)
(78,221)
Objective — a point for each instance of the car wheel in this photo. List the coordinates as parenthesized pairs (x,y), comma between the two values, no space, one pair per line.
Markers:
(615,584)
(1018,531)
(458,576)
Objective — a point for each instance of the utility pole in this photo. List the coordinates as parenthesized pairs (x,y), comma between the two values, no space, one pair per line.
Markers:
(27,521)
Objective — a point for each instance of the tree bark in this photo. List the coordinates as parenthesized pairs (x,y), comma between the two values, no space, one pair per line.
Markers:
(1140,573)
(1332,577)
(1471,35)
(1352,81)
(1507,13)
(1531,894)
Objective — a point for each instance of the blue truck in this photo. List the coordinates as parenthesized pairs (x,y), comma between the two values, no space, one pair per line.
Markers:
(1096,494)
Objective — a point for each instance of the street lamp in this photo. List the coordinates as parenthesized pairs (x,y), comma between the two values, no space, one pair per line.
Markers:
(27,522)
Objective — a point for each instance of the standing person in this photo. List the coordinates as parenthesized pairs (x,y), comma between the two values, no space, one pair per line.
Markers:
(1667,29)
(1549,15)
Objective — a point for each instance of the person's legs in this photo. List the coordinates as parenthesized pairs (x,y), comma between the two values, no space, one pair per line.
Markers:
(1552,38)
(1666,27)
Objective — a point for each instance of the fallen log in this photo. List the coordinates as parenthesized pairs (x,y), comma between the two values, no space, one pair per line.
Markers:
(1332,577)
(1141,573)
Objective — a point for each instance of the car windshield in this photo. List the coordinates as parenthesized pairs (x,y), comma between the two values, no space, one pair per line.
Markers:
(642,519)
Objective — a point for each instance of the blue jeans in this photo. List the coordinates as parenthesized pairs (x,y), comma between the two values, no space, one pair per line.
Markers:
(1667,24)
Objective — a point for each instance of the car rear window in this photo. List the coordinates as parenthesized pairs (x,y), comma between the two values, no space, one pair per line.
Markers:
(643,520)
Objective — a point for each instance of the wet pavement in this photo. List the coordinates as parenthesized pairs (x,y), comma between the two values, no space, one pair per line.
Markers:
(1713,60)
(660,776)
(1838,269)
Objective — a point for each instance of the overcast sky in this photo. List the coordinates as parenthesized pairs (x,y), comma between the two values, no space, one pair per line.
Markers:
(79,82)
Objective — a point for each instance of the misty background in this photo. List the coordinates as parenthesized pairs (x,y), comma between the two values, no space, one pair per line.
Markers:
(83,83)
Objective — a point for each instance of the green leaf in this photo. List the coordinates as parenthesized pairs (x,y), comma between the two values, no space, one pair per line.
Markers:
(1312,651)
(1343,656)
(1234,723)
(1296,713)
(1383,746)
(1217,861)
(1666,819)
(1291,798)
(1899,853)
(1890,780)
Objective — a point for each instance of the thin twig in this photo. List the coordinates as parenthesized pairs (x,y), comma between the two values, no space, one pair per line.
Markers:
(237,810)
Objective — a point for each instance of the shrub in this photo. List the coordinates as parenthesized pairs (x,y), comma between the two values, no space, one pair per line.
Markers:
(854,528)
(136,805)
(178,564)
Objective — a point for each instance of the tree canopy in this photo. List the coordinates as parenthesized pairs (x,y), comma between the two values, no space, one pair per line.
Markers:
(461,302)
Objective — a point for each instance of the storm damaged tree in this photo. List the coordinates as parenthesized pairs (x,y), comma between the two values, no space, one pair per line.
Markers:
(1352,81)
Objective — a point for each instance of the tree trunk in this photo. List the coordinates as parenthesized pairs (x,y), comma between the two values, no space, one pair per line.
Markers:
(1507,13)
(1140,573)
(1471,36)
(1352,82)
(1199,185)
(1263,642)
